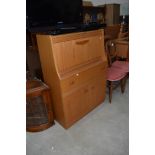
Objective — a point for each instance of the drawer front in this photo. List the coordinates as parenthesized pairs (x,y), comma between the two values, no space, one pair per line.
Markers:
(83,100)
(88,49)
(74,105)
(73,36)
(70,54)
(82,77)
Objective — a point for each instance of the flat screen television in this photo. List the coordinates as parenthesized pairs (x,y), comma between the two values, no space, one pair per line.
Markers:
(53,13)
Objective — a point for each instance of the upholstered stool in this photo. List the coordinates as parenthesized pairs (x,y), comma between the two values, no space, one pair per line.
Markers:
(39,115)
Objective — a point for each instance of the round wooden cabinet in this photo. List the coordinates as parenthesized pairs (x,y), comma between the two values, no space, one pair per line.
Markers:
(39,115)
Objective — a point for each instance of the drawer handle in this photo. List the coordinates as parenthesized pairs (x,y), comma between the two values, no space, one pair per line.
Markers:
(82,42)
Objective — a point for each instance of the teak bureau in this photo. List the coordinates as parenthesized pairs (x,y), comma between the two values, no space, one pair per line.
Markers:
(74,66)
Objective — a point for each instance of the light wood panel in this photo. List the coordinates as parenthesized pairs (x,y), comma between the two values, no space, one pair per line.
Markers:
(81,77)
(71,53)
(73,36)
(50,75)
(83,100)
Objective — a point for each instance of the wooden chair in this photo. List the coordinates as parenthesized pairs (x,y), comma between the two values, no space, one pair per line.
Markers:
(111,32)
(124,32)
(122,49)
(117,71)
(116,32)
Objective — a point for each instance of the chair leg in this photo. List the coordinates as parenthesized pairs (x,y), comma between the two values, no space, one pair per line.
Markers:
(110,90)
(123,84)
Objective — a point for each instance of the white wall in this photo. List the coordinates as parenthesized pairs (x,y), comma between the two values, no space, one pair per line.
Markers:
(124,4)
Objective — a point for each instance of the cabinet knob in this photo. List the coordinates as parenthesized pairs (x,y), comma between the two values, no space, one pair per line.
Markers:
(77,74)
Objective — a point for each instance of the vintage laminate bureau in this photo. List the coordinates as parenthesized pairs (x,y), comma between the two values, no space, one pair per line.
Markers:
(74,66)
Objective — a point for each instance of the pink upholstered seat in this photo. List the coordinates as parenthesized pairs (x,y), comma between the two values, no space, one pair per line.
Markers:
(115,74)
(124,65)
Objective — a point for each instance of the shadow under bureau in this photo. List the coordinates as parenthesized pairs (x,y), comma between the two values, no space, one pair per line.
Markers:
(74,66)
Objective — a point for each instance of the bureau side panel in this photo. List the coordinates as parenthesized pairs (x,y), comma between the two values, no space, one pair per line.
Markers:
(50,75)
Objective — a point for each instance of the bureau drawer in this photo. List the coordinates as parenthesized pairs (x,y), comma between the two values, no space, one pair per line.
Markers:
(78,78)
(72,53)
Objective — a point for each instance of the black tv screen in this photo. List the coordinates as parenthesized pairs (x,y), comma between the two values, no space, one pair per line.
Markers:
(42,13)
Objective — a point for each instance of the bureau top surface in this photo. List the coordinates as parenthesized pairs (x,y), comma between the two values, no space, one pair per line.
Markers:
(77,35)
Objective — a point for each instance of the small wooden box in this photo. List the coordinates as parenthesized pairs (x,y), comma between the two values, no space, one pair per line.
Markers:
(39,115)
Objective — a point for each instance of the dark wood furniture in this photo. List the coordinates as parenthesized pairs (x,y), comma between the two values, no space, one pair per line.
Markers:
(117,71)
(93,14)
(112,32)
(122,48)
(74,66)
(32,57)
(117,31)
(112,14)
(119,35)
(31,41)
(39,115)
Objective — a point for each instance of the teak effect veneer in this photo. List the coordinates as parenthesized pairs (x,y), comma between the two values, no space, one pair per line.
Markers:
(74,66)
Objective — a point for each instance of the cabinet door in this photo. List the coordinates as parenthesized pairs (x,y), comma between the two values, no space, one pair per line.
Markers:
(77,52)
(97,91)
(80,77)
(75,105)
(83,100)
